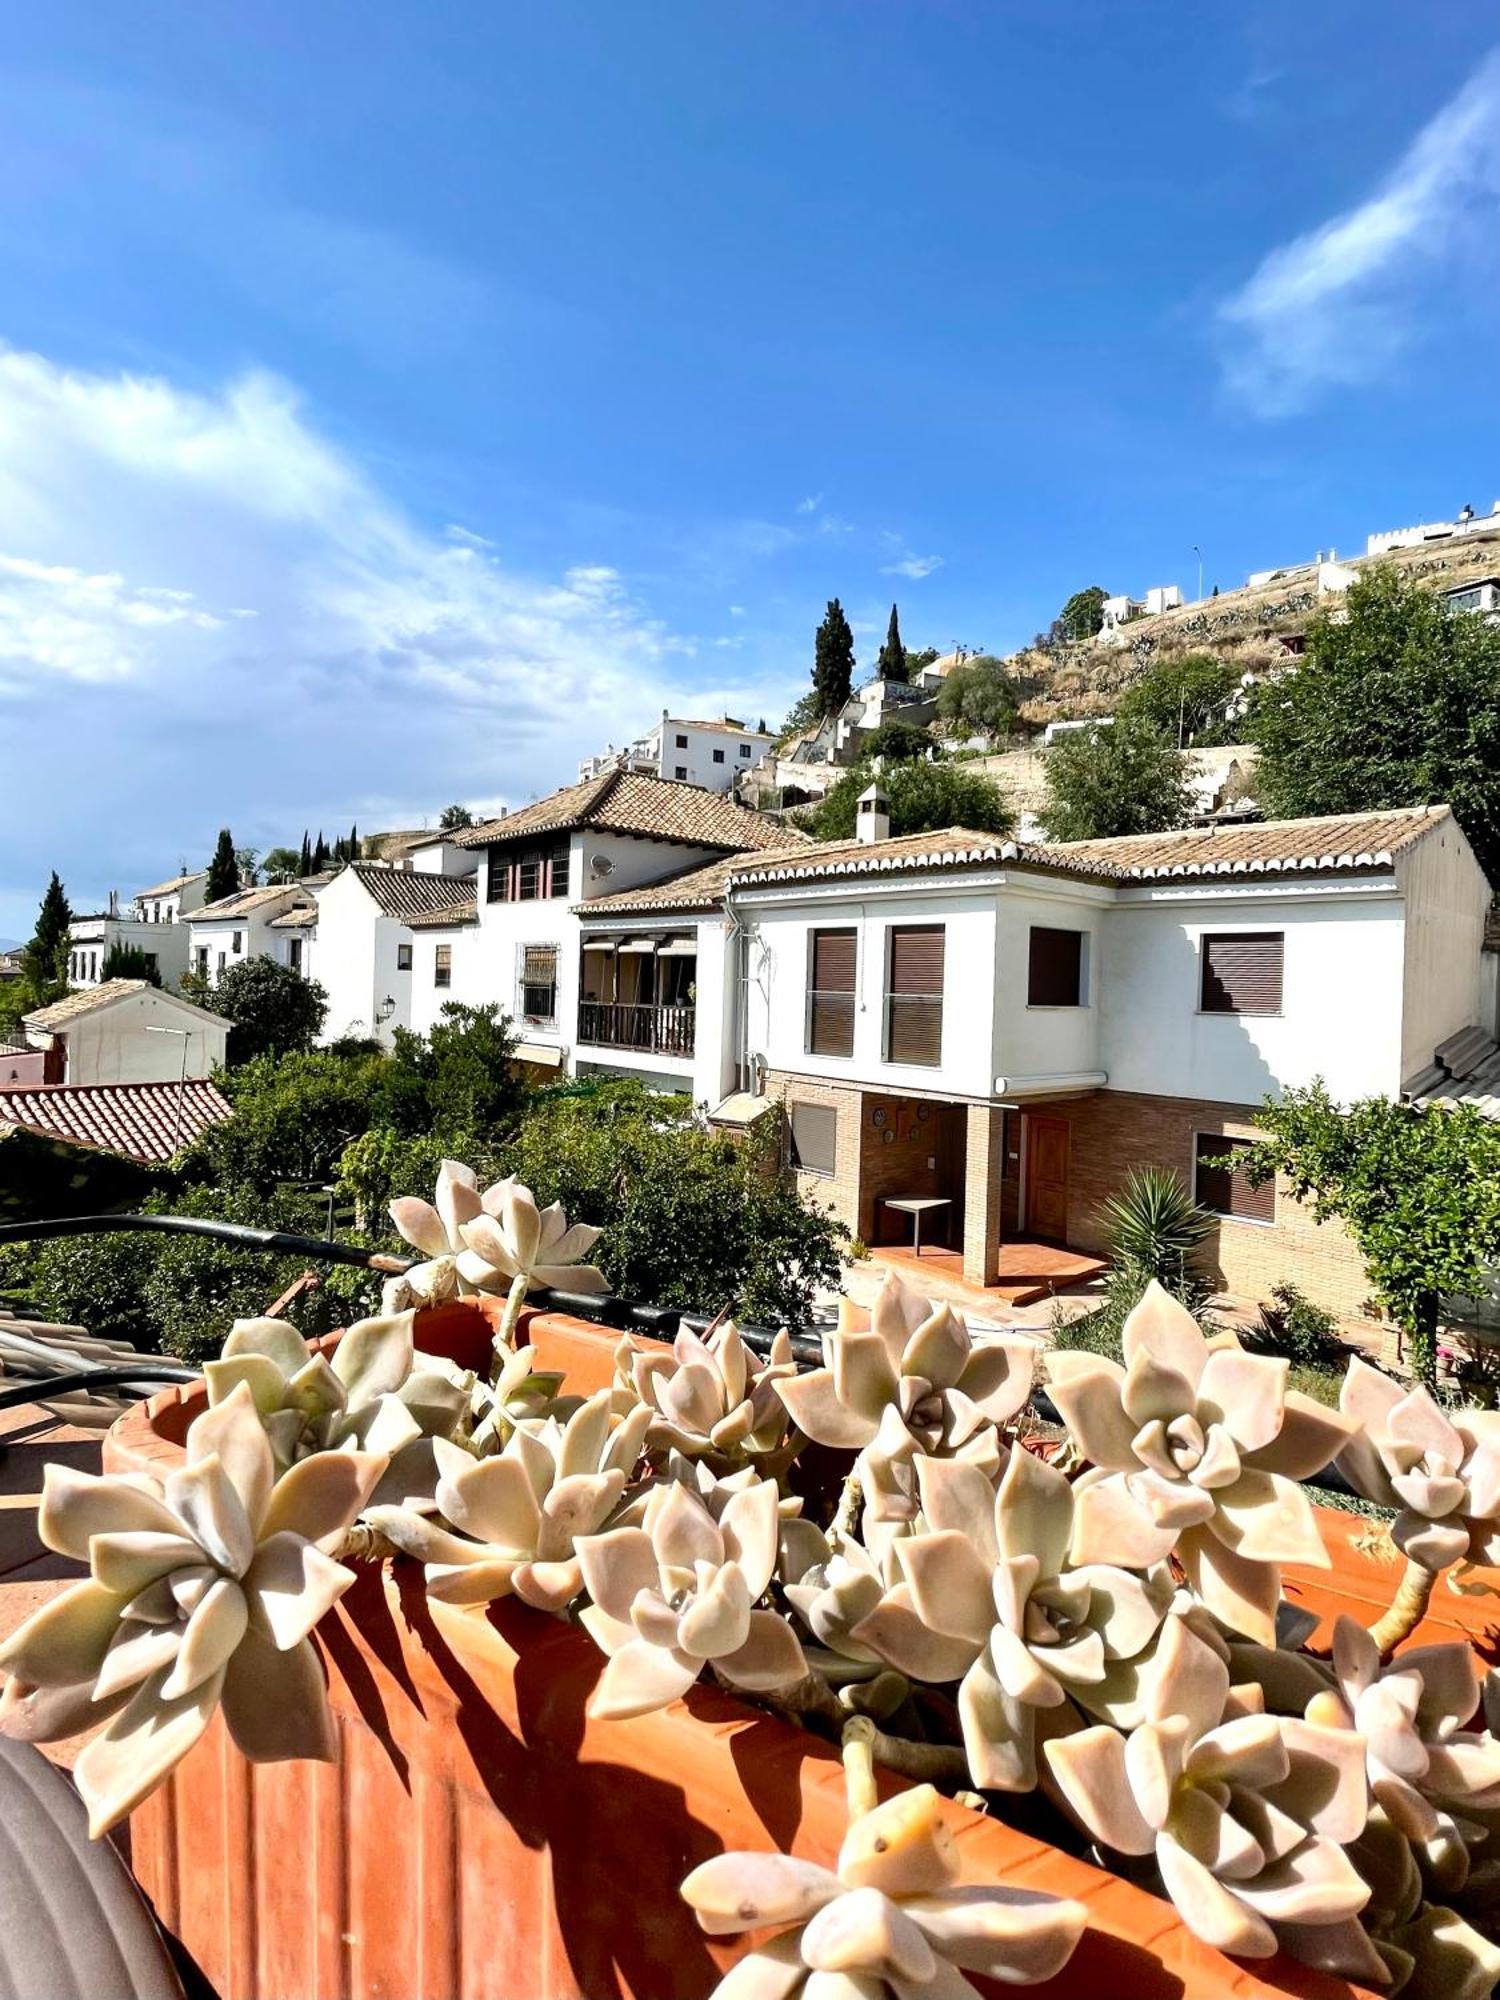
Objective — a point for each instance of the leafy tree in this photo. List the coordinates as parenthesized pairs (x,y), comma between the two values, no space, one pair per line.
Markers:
(922,796)
(1419,1191)
(1396,702)
(833,660)
(804,713)
(466,1068)
(130,961)
(223,870)
(915,662)
(273,1008)
(1081,618)
(978,699)
(452,818)
(245,860)
(1185,698)
(293,1116)
(1114,779)
(891,665)
(897,741)
(44,961)
(282,864)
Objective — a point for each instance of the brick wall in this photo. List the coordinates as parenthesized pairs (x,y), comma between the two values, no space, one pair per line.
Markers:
(869,1167)
(1114,1131)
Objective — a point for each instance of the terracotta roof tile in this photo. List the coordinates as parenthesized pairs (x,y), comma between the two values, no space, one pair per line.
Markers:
(84,1001)
(177,882)
(406,893)
(241,904)
(447,916)
(629,802)
(692,889)
(143,1121)
(300,917)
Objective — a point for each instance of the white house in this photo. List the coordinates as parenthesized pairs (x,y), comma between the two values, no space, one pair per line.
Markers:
(1006,1029)
(240,926)
(152,923)
(365,946)
(714,755)
(126,1031)
(169,902)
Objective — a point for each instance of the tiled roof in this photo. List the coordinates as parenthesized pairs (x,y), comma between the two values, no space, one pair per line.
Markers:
(177,882)
(407,893)
(300,917)
(144,1121)
(396,846)
(1465,1070)
(692,889)
(241,904)
(1354,843)
(446,917)
(84,1001)
(630,802)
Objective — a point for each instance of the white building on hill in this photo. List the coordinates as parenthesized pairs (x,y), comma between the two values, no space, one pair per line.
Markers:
(714,755)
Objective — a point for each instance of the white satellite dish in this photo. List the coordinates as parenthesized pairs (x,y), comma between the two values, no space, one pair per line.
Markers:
(600,864)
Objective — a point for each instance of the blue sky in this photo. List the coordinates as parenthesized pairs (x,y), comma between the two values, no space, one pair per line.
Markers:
(398,402)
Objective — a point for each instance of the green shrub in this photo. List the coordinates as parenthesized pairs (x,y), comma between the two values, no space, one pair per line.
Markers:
(1290,1324)
(1155,1225)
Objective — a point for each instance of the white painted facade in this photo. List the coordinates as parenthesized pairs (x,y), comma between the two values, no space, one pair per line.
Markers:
(710,754)
(92,939)
(223,934)
(141,1037)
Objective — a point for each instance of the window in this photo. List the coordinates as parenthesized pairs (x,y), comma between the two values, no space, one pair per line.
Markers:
(814,1138)
(1241,972)
(237,942)
(222,961)
(151,965)
(680,772)
(539,982)
(718,756)
(1055,968)
(679,743)
(744,749)
(1227,1190)
(830,996)
(403,958)
(294,954)
(560,858)
(914,995)
(442,966)
(524,875)
(202,957)
(528,878)
(497,876)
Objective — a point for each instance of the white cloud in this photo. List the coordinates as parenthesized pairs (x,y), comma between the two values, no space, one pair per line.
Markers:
(915,567)
(1337,305)
(208,611)
(736,610)
(810,504)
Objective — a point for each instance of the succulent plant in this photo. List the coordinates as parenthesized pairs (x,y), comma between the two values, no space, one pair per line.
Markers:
(512,1238)
(1197,1449)
(1246,1814)
(711,1397)
(680,1591)
(200,1591)
(1439,1471)
(433,1228)
(986,1595)
(1429,1952)
(509,1523)
(892,1920)
(1429,1773)
(521,1392)
(907,1377)
(377,1394)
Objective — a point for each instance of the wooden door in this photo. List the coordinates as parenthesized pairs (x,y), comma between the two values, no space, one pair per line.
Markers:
(1047,1177)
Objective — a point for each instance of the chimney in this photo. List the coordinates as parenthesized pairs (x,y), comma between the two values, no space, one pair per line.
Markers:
(873,815)
(114,902)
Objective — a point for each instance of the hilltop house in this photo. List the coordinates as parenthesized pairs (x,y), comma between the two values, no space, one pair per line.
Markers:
(713,755)
(125,1031)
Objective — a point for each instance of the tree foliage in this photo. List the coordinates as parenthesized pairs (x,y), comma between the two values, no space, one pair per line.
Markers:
(922,796)
(1419,1191)
(1126,777)
(891,665)
(223,869)
(1081,618)
(833,660)
(282,864)
(897,741)
(452,818)
(1396,703)
(273,1009)
(1186,698)
(130,961)
(466,1068)
(44,961)
(978,698)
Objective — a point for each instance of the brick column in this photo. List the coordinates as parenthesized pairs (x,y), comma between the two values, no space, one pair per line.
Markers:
(982,1170)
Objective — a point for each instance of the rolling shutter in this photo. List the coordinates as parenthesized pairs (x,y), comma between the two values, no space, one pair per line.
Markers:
(830,1026)
(1054,972)
(814,1132)
(1227,1190)
(1242,972)
(914,1007)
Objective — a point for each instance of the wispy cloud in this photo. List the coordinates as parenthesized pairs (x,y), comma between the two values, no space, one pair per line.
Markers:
(915,567)
(1337,305)
(810,504)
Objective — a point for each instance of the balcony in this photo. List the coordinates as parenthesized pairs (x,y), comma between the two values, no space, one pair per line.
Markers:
(646,1028)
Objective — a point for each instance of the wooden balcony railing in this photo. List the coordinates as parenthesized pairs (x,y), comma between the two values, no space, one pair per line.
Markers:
(616,1024)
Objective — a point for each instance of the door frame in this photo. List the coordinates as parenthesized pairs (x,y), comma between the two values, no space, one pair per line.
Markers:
(1023,1218)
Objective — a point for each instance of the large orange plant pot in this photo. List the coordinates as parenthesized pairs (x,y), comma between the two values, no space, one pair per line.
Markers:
(479,1839)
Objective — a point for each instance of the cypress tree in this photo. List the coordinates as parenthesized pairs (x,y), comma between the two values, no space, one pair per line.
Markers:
(833,660)
(223,870)
(891,666)
(353,854)
(320,854)
(304,860)
(46,957)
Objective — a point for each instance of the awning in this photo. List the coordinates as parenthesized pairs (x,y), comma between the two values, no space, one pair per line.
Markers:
(546,1055)
(639,947)
(598,944)
(741,1108)
(679,948)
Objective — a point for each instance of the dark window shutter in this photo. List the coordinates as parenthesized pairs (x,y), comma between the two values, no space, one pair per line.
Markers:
(1054,973)
(1227,1190)
(814,1129)
(914,1009)
(831,1011)
(497,876)
(1242,972)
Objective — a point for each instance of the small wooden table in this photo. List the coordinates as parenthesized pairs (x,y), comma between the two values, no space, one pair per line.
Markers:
(916,1206)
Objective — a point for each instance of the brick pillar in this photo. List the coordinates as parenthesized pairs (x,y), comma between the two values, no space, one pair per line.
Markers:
(982,1170)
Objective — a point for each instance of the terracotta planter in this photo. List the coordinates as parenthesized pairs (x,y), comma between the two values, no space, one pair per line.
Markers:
(479,1838)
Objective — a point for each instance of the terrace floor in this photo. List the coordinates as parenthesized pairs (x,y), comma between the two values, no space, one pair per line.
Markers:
(1031,1275)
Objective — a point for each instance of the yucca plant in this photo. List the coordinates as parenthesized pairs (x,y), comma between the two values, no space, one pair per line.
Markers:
(1155,1226)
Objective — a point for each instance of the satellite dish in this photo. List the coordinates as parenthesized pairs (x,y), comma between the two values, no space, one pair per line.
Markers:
(600,864)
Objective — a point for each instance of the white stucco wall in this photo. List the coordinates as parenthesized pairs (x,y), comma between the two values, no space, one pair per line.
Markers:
(112,1045)
(426,999)
(1445,986)
(693,762)
(1044,1041)
(442,857)
(348,957)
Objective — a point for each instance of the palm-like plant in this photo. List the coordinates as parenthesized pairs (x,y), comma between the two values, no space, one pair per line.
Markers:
(1155,1225)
